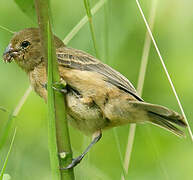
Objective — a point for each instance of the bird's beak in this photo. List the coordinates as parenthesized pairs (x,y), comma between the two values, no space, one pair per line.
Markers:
(9,54)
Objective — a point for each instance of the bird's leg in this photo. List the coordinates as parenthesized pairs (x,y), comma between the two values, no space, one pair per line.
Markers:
(95,138)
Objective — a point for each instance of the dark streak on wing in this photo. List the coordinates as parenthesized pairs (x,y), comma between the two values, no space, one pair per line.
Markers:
(76,59)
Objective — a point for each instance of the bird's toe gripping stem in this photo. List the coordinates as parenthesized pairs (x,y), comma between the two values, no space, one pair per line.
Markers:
(58,86)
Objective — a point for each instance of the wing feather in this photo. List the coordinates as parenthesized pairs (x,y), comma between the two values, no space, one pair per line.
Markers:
(76,59)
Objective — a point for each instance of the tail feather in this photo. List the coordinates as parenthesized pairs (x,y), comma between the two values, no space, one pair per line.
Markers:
(163,117)
(163,123)
(173,119)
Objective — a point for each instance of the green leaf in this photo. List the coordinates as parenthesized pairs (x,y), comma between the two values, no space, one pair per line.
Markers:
(28,7)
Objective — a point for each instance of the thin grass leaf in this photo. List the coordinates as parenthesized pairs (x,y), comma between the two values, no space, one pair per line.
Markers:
(106,45)
(22,101)
(124,173)
(142,72)
(83,21)
(28,7)
(6,29)
(11,119)
(162,166)
(7,157)
(106,32)
(165,69)
(6,130)
(89,14)
(3,109)
(6,177)
(89,17)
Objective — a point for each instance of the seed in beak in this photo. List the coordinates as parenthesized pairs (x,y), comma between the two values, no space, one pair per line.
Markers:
(9,54)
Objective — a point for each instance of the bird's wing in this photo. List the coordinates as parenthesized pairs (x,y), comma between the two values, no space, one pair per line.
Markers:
(76,59)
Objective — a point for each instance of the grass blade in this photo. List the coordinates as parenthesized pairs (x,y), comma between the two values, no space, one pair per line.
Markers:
(106,45)
(165,69)
(6,130)
(28,8)
(7,157)
(22,101)
(89,14)
(140,84)
(106,31)
(124,173)
(12,115)
(82,22)
(3,109)
(6,29)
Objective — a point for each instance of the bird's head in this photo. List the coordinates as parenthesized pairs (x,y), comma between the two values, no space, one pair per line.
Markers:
(25,48)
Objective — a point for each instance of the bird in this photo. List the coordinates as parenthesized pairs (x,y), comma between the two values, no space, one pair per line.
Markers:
(97,96)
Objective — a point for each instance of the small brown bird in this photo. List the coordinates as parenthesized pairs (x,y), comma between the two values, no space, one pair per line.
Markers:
(98,97)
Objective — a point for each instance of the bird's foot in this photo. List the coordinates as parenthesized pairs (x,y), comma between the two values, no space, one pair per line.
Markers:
(74,163)
(58,86)
(96,137)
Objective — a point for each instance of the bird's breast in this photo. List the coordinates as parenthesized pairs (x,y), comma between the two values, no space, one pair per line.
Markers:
(38,80)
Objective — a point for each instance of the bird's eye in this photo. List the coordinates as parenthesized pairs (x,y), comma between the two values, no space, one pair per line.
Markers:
(25,44)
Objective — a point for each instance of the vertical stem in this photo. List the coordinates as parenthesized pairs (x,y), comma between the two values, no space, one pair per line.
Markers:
(8,153)
(89,14)
(106,45)
(83,21)
(59,142)
(11,120)
(165,70)
(142,72)
(106,29)
(115,133)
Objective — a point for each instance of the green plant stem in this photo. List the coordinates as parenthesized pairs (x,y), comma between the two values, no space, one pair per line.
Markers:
(106,45)
(106,31)
(3,109)
(117,141)
(141,78)
(8,153)
(6,130)
(89,14)
(83,21)
(11,120)
(59,141)
(6,29)
(165,69)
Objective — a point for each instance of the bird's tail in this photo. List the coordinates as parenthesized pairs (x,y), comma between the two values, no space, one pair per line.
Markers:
(163,117)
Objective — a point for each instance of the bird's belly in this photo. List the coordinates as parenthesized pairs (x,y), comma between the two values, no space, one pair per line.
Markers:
(87,117)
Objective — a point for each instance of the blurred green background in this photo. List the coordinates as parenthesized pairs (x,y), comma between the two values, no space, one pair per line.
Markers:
(157,154)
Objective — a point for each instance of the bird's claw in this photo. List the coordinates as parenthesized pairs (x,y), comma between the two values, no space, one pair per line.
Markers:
(58,86)
(73,163)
